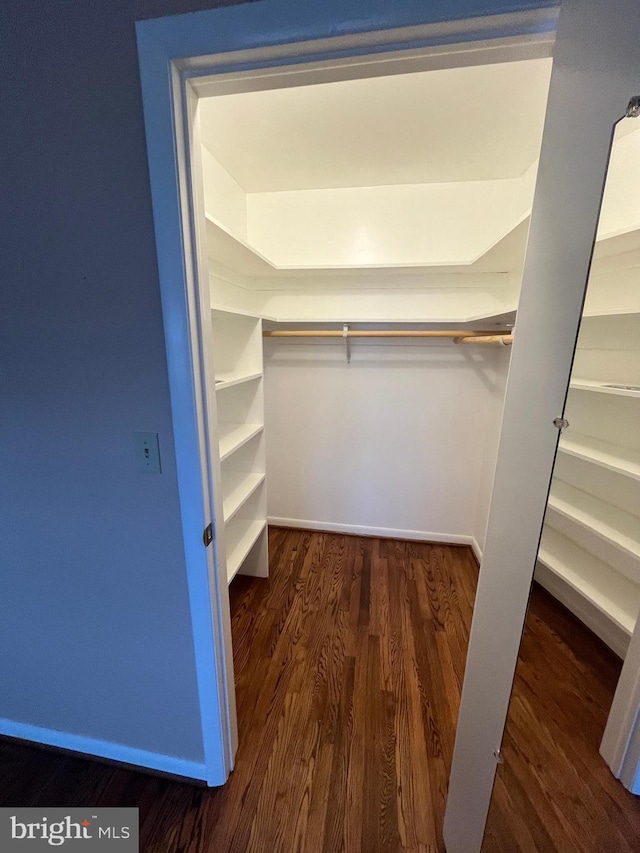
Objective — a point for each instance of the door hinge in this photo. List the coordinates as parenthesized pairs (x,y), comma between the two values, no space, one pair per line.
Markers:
(207,536)
(560,423)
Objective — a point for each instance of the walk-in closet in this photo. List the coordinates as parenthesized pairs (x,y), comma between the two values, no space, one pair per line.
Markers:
(365,242)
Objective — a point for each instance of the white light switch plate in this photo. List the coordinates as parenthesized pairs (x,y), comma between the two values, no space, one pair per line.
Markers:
(147,452)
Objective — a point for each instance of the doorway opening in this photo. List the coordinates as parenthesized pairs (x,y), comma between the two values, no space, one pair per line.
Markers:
(340,223)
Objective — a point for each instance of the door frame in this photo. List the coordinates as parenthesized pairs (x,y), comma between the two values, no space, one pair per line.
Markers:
(182,57)
(620,745)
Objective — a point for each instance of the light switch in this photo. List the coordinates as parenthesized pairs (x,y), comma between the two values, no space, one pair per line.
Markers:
(147,452)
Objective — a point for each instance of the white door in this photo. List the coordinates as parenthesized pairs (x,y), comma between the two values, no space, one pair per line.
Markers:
(596,73)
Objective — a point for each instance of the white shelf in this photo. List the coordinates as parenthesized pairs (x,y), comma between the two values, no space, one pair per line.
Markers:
(604,588)
(616,312)
(237,351)
(228,380)
(234,436)
(241,535)
(234,253)
(503,321)
(601,388)
(607,532)
(217,308)
(238,488)
(611,456)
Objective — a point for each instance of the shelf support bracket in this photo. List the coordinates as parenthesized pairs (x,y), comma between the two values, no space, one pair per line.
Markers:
(347,342)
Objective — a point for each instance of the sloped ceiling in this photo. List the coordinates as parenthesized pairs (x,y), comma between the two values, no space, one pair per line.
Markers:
(464,124)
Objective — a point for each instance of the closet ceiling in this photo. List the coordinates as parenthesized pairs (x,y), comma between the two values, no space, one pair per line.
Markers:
(430,171)
(464,124)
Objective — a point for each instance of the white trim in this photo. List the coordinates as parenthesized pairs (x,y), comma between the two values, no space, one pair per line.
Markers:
(477,550)
(164,111)
(482,39)
(620,742)
(191,188)
(105,749)
(382,532)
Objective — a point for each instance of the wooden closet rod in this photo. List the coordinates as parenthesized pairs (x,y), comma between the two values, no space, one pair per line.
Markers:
(462,336)
(374,333)
(502,340)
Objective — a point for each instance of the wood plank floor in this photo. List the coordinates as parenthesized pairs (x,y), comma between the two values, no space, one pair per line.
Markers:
(554,792)
(349,663)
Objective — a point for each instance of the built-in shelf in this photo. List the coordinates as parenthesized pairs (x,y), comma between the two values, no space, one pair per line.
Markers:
(616,312)
(228,380)
(606,531)
(233,252)
(502,321)
(590,551)
(234,436)
(241,535)
(604,588)
(242,498)
(240,312)
(238,489)
(603,388)
(611,456)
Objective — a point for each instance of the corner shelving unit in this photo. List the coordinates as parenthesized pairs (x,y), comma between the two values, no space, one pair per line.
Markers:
(621,460)
(589,554)
(237,343)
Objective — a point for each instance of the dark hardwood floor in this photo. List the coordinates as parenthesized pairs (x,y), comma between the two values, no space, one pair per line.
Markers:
(349,663)
(554,792)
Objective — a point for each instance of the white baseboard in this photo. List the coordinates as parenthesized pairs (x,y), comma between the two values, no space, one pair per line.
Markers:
(385,532)
(601,625)
(477,550)
(105,749)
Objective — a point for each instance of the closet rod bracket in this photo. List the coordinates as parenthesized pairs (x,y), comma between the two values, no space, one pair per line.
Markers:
(347,342)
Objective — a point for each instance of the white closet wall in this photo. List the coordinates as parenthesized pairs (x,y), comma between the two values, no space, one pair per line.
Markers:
(404,225)
(494,404)
(400,442)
